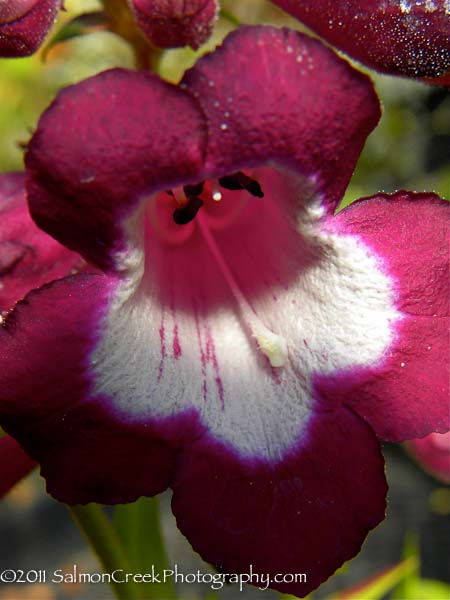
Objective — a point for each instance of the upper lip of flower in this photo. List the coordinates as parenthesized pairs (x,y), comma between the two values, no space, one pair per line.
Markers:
(153,358)
(206,128)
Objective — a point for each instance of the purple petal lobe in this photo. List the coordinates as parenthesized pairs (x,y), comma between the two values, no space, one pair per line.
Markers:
(307,513)
(294,102)
(28,256)
(109,142)
(87,451)
(406,395)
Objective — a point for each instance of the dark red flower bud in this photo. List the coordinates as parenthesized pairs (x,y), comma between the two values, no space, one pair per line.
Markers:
(433,454)
(24,25)
(399,37)
(174,23)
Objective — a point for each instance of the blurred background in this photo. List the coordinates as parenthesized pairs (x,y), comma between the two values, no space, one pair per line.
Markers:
(410,149)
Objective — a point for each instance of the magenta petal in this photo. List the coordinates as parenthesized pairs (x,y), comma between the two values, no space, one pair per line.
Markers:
(87,450)
(407,396)
(277,95)
(170,24)
(108,142)
(28,256)
(401,37)
(24,25)
(308,513)
(433,454)
(15,464)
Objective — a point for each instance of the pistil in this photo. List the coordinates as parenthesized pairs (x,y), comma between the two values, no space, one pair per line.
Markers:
(272,345)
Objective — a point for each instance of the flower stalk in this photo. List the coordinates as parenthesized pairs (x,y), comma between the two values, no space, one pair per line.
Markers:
(104,540)
(123,24)
(139,528)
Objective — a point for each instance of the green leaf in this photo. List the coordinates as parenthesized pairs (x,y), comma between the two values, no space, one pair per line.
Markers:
(229,16)
(426,589)
(379,585)
(415,588)
(80,25)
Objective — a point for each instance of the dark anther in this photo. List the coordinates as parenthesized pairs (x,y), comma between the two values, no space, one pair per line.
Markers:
(185,214)
(241,181)
(194,190)
(170,193)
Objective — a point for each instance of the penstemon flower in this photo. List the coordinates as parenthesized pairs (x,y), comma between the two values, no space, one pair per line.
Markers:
(400,37)
(244,345)
(173,23)
(433,454)
(28,258)
(24,24)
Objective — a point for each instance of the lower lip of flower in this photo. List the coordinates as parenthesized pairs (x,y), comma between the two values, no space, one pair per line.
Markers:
(175,216)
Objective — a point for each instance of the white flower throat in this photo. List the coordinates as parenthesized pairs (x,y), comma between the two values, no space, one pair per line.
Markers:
(186,210)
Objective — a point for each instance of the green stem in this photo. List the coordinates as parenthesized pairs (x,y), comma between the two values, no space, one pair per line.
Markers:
(123,24)
(139,529)
(150,522)
(103,539)
(229,16)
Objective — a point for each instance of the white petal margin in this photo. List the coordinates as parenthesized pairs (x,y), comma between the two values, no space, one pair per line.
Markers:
(174,338)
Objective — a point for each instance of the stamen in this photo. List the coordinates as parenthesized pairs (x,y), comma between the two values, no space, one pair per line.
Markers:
(231,182)
(186,213)
(195,189)
(274,346)
(241,181)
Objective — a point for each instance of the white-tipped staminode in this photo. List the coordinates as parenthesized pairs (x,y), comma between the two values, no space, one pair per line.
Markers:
(272,345)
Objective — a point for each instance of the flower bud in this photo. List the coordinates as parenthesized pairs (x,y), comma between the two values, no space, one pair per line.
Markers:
(24,25)
(401,37)
(174,23)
